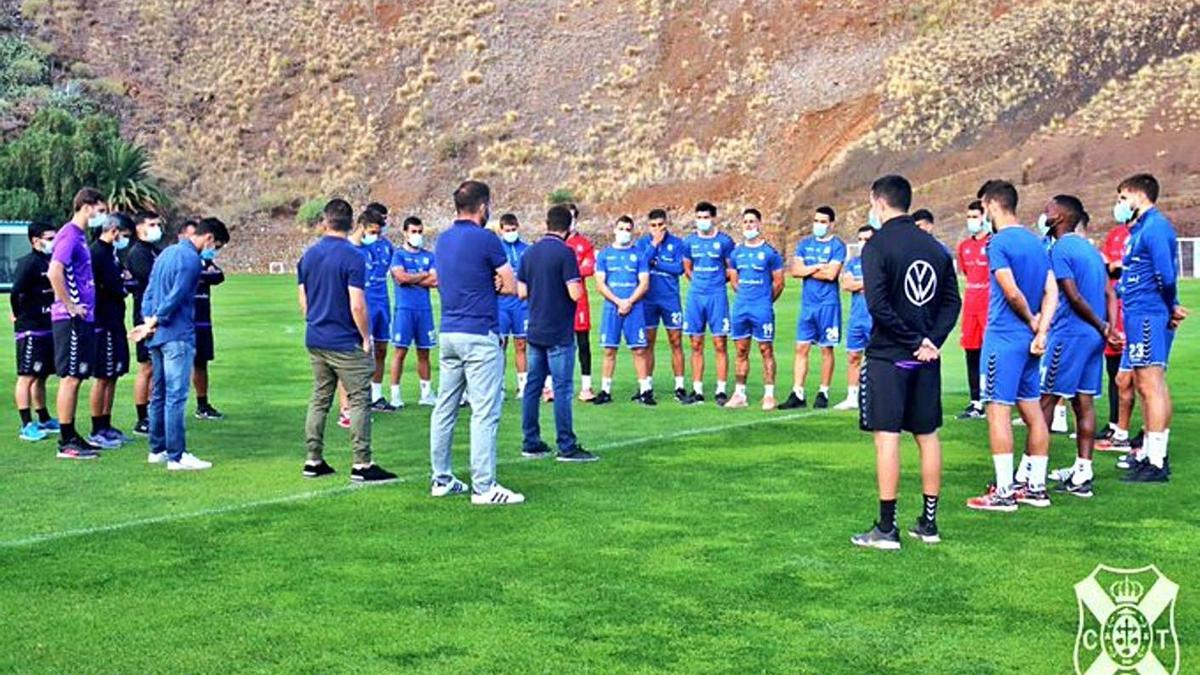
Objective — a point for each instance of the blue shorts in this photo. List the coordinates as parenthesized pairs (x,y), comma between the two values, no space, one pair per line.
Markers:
(414,325)
(706,312)
(1073,364)
(669,313)
(1008,372)
(822,325)
(378,316)
(754,321)
(514,319)
(613,326)
(858,334)
(1147,341)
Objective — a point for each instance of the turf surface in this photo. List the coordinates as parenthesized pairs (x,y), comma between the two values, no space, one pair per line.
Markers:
(706,540)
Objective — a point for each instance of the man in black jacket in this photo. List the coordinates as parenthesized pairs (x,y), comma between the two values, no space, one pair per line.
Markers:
(139,262)
(31,297)
(912,294)
(112,345)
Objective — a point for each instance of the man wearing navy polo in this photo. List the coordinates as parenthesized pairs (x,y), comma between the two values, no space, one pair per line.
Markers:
(472,273)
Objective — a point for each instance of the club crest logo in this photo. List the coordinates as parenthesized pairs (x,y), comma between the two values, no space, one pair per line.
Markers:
(920,283)
(1126,622)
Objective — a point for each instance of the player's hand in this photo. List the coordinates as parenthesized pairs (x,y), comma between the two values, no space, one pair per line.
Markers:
(76,309)
(367,345)
(1116,338)
(141,332)
(1033,323)
(498,283)
(1178,314)
(927,352)
(1038,346)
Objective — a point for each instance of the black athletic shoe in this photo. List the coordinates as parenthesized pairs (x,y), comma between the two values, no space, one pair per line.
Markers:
(381,405)
(577,456)
(721,398)
(971,412)
(539,451)
(1083,490)
(318,470)
(647,399)
(822,401)
(209,413)
(372,475)
(925,531)
(142,428)
(793,401)
(1104,434)
(697,398)
(602,398)
(1145,472)
(876,538)
(682,396)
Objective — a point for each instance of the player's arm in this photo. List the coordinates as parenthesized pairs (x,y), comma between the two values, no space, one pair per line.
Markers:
(1113,309)
(1163,257)
(587,261)
(1049,305)
(1013,296)
(601,278)
(406,278)
(778,281)
(358,309)
(181,291)
(851,284)
(828,271)
(1080,306)
(734,279)
(575,290)
(799,269)
(302,300)
(570,276)
(875,288)
(687,268)
(506,281)
(949,303)
(21,283)
(212,275)
(429,280)
(58,281)
(643,287)
(672,265)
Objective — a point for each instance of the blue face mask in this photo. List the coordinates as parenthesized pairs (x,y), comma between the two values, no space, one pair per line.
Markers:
(820,229)
(1123,212)
(121,243)
(208,254)
(97,220)
(369,239)
(873,220)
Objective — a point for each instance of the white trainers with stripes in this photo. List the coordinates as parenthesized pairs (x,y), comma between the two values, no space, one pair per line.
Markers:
(454,487)
(497,496)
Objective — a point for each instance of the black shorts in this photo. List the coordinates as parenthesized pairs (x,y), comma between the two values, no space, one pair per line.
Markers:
(112,352)
(143,352)
(204,345)
(896,398)
(35,354)
(74,348)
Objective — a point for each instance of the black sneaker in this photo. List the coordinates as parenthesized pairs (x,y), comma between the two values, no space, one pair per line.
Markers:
(876,538)
(209,413)
(647,399)
(381,405)
(142,428)
(1035,497)
(1145,472)
(578,456)
(372,475)
(697,398)
(822,402)
(602,398)
(1127,461)
(77,448)
(1136,442)
(925,531)
(1083,490)
(1104,434)
(318,470)
(721,398)
(682,396)
(971,412)
(539,451)
(793,401)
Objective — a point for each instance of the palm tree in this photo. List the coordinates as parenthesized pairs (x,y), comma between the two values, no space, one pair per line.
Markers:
(125,174)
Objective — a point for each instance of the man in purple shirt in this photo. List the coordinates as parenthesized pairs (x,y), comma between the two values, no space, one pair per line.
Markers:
(73,315)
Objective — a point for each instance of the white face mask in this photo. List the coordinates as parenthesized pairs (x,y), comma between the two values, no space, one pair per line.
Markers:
(416,240)
(369,239)
(750,235)
(511,237)
(704,224)
(153,234)
(623,237)
(974,225)
(820,229)
(47,246)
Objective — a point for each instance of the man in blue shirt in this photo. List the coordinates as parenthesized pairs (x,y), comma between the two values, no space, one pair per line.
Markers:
(664,252)
(818,261)
(623,278)
(330,279)
(1073,365)
(1150,295)
(1022,300)
(757,283)
(858,331)
(414,272)
(514,313)
(377,253)
(169,307)
(706,264)
(472,272)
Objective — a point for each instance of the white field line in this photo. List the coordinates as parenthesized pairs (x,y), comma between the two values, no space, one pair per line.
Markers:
(344,489)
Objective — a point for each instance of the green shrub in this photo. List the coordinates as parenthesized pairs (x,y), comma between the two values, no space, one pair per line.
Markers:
(561,196)
(452,147)
(310,211)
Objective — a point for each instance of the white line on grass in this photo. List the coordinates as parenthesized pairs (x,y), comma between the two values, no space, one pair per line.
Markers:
(343,489)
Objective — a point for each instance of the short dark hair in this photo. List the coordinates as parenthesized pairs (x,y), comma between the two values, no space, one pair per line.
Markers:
(827,211)
(509,219)
(185,224)
(923,214)
(1071,207)
(338,215)
(1085,219)
(1143,183)
(38,228)
(625,219)
(558,218)
(411,220)
(1000,191)
(657,214)
(377,208)
(123,223)
(143,216)
(865,228)
(975,205)
(87,197)
(894,190)
(370,216)
(753,212)
(215,227)
(471,195)
(705,207)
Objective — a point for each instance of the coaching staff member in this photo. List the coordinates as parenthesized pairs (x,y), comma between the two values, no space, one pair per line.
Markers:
(549,280)
(912,294)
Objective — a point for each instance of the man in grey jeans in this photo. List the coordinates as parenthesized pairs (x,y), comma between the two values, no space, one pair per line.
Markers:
(472,272)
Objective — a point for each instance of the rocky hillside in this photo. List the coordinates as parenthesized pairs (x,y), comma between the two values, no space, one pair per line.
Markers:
(251,108)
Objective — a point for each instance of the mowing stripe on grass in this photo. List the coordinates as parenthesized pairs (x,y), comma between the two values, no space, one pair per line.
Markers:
(343,489)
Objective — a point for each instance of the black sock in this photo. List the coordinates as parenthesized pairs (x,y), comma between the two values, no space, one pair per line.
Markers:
(97,424)
(929,511)
(887,515)
(43,415)
(142,411)
(66,432)
(973,360)
(26,418)
(202,402)
(106,420)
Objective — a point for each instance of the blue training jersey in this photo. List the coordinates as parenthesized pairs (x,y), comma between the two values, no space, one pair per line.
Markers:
(666,264)
(710,260)
(1073,257)
(1150,265)
(514,252)
(621,267)
(858,301)
(379,265)
(813,251)
(413,262)
(1019,250)
(755,267)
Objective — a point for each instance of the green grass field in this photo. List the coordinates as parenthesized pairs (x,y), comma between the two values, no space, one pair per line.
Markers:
(706,540)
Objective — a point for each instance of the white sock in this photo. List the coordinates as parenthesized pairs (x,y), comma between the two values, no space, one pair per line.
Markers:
(549,383)
(1004,471)
(1112,425)
(426,387)
(606,385)
(1120,434)
(698,386)
(799,392)
(1156,447)
(395,393)
(679,382)
(720,386)
(1024,469)
(522,378)
(1037,470)
(852,393)
(976,404)
(376,391)
(739,389)
(646,385)
(769,390)
(1082,471)
(823,390)
(585,381)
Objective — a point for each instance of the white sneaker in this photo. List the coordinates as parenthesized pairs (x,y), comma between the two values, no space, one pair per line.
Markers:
(1062,475)
(156,458)
(397,403)
(736,401)
(188,462)
(497,496)
(429,399)
(848,404)
(454,487)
